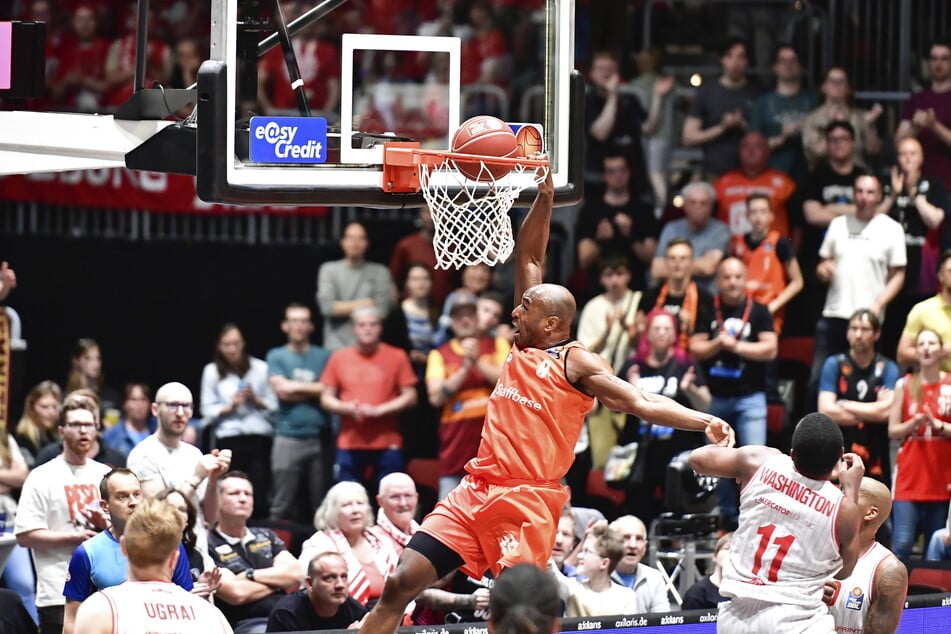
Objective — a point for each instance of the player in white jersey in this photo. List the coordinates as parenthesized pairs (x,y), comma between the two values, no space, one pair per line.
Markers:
(149,601)
(871,600)
(796,529)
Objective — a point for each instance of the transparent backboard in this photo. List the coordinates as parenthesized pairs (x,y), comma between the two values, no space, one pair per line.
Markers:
(368,71)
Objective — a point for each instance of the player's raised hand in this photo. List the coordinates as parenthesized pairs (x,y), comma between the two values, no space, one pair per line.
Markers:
(851,472)
(720,433)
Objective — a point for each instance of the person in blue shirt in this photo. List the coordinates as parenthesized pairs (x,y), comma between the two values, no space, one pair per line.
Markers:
(98,562)
(137,424)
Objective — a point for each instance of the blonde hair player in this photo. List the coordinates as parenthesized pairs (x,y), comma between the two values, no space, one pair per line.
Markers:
(149,601)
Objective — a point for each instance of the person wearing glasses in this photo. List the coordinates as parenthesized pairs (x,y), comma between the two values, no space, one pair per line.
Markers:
(59,508)
(603,548)
(826,193)
(164,460)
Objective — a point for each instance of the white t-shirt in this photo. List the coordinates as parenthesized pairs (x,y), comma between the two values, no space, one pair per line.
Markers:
(863,252)
(581,600)
(153,460)
(161,608)
(52,497)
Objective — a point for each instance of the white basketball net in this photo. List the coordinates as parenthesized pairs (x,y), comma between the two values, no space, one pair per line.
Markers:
(472,225)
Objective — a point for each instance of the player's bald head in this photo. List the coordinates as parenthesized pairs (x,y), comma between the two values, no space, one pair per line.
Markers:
(557,301)
(174,392)
(874,495)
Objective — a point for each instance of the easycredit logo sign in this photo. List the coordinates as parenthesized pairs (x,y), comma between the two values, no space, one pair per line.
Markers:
(288,139)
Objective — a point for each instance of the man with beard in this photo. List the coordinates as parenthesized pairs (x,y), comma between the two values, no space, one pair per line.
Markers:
(59,509)
(163,460)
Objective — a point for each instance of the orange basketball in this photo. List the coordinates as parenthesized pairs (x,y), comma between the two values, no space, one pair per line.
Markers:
(487,136)
(529,140)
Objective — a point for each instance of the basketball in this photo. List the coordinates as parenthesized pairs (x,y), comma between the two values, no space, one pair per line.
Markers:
(488,136)
(529,140)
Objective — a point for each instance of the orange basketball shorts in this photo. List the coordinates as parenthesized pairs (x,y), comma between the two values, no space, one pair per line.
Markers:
(495,526)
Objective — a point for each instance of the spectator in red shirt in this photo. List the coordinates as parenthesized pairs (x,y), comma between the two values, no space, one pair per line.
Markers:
(80,80)
(368,385)
(318,59)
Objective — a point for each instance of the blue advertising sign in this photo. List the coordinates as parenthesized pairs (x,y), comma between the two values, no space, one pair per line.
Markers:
(288,139)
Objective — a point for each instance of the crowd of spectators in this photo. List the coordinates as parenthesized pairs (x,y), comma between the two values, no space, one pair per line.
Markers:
(798,221)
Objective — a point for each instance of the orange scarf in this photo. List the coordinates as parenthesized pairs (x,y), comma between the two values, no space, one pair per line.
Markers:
(688,310)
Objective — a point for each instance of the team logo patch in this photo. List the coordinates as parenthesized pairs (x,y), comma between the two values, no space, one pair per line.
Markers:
(855,599)
(508,543)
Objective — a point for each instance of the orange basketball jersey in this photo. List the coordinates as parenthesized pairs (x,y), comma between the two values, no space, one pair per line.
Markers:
(534,418)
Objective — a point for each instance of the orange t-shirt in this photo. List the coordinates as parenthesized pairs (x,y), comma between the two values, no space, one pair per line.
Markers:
(534,418)
(373,379)
(732,189)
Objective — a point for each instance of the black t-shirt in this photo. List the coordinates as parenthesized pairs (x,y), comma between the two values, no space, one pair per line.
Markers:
(295,613)
(711,102)
(624,139)
(643,226)
(702,595)
(730,375)
(257,553)
(903,210)
(673,304)
(855,383)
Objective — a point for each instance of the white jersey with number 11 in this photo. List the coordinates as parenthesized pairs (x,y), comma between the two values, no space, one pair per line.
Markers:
(785,548)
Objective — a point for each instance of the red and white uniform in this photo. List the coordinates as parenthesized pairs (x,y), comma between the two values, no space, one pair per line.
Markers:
(160,608)
(923,465)
(855,593)
(783,552)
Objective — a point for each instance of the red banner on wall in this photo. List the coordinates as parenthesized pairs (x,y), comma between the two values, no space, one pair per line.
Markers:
(120,188)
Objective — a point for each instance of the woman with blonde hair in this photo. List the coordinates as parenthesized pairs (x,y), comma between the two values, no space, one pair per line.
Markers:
(37,426)
(921,419)
(342,522)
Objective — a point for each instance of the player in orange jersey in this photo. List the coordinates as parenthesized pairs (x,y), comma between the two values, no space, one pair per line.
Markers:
(505,511)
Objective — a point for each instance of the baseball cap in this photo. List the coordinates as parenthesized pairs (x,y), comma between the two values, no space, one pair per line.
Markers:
(461,298)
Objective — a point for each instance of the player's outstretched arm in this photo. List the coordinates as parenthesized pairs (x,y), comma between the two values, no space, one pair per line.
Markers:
(532,241)
(595,375)
(728,462)
(888,597)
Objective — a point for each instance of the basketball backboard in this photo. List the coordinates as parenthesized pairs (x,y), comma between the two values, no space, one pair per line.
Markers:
(370,71)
